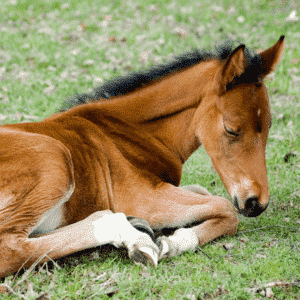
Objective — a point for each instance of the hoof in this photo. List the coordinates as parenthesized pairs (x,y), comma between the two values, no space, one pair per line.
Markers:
(164,246)
(145,256)
(141,225)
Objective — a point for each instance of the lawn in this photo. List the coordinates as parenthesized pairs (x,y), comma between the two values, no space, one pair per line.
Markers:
(51,49)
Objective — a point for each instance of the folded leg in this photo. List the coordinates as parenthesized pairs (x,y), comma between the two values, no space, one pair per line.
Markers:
(36,180)
(168,206)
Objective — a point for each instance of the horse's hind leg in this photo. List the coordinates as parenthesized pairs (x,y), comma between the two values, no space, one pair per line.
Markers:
(36,178)
(102,227)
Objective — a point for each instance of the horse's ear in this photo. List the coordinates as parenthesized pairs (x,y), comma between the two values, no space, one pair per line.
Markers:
(271,56)
(234,66)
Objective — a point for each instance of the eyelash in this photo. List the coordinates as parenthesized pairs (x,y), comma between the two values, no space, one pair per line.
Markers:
(230,132)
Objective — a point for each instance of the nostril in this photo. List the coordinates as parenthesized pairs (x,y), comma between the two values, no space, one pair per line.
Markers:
(251,203)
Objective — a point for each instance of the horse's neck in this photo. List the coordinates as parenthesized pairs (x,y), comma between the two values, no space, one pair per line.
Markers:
(166,108)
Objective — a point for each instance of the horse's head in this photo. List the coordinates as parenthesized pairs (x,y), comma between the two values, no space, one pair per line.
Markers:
(234,125)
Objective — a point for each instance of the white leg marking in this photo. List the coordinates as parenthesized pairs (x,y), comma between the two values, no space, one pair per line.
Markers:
(115,229)
(108,229)
(182,240)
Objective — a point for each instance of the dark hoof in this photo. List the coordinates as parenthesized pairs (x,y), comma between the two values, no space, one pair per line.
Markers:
(141,225)
(139,256)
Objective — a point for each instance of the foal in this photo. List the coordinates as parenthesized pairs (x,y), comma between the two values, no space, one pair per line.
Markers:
(68,182)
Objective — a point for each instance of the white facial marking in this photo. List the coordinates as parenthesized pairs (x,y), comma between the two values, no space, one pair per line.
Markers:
(244,186)
(235,188)
(258,113)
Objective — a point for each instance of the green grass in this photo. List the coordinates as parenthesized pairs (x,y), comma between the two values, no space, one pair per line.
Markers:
(51,49)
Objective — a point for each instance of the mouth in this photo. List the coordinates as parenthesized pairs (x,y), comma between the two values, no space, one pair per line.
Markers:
(252,207)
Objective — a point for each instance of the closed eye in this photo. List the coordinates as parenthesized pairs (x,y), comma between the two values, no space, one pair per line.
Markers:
(231,132)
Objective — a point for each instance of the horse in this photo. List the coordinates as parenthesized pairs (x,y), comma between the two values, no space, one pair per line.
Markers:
(106,168)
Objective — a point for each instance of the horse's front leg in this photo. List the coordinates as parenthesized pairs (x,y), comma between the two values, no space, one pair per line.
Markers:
(195,188)
(172,207)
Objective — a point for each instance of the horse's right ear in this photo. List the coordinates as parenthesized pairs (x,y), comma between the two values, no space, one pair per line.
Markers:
(234,66)
(271,56)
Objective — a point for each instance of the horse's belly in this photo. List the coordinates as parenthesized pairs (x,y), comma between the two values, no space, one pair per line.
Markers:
(53,218)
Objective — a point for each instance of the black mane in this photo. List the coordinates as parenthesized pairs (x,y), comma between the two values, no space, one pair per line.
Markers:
(128,83)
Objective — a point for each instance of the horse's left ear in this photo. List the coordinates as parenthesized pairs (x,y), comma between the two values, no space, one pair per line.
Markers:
(234,66)
(271,56)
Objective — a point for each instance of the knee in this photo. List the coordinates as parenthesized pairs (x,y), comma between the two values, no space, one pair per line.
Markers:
(232,219)
(230,213)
